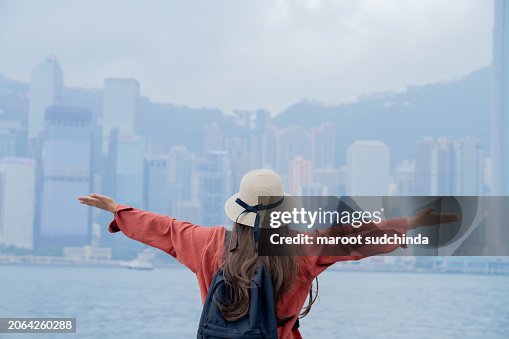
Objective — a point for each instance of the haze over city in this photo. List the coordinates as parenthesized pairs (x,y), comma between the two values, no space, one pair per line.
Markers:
(250,55)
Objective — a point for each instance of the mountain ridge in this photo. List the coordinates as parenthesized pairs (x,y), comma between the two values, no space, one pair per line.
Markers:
(454,109)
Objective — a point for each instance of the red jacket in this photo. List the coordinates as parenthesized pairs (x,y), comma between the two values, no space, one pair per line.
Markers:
(201,249)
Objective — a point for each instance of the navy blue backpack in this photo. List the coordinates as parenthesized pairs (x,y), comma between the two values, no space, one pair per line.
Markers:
(259,322)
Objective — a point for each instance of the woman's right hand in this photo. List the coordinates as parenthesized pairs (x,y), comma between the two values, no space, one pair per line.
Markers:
(428,217)
(100,201)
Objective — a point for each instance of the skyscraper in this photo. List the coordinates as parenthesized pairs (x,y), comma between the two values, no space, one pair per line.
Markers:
(120,101)
(300,174)
(404,178)
(500,122)
(157,193)
(181,174)
(470,167)
(293,142)
(65,172)
(13,138)
(215,187)
(424,163)
(260,144)
(239,158)
(449,167)
(323,148)
(333,180)
(445,167)
(17,197)
(125,168)
(368,165)
(436,167)
(500,114)
(46,86)
(270,144)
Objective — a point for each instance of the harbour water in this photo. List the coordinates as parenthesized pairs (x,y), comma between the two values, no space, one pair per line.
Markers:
(165,303)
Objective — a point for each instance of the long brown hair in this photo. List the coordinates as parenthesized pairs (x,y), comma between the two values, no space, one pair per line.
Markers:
(240,265)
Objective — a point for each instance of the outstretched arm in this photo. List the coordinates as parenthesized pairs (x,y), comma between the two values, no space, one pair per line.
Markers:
(425,217)
(183,240)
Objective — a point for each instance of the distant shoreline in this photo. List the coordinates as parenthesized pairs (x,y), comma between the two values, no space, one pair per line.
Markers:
(60,261)
(55,261)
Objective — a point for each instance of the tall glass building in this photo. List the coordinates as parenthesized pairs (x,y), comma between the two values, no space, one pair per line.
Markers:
(17,197)
(368,165)
(45,90)
(500,114)
(214,187)
(125,168)
(65,172)
(157,193)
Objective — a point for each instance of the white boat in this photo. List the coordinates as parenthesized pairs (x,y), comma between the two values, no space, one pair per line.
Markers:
(140,265)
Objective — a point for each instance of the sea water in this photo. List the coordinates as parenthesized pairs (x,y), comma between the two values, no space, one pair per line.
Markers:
(165,303)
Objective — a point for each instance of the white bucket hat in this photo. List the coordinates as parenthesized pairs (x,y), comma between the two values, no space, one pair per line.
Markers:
(262,186)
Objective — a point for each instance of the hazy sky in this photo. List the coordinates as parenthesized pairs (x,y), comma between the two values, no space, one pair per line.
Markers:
(249,54)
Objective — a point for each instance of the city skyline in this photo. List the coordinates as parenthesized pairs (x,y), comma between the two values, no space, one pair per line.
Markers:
(82,144)
(122,164)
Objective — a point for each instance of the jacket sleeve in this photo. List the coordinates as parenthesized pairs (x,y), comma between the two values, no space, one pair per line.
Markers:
(355,252)
(182,240)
